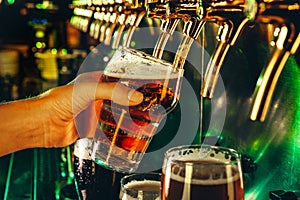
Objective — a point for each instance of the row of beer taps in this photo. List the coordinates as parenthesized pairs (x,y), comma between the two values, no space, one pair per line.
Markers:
(111,17)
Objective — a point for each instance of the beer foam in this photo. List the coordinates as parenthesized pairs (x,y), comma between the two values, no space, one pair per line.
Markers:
(140,185)
(143,184)
(138,66)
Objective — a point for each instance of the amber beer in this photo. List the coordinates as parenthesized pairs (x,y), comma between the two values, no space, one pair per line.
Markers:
(193,172)
(127,131)
(206,184)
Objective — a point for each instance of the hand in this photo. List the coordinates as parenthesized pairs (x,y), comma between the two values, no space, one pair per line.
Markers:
(48,120)
(67,102)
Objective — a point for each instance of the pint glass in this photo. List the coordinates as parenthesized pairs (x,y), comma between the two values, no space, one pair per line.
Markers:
(202,172)
(126,131)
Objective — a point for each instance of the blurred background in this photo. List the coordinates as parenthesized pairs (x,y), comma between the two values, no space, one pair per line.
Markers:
(43,44)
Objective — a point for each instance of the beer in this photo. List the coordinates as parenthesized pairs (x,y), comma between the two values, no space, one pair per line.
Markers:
(127,131)
(203,172)
(141,187)
(150,190)
(207,183)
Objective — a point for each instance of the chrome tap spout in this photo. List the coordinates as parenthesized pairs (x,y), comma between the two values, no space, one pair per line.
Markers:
(133,22)
(158,9)
(104,27)
(232,20)
(167,29)
(191,32)
(122,20)
(286,15)
(113,20)
(229,32)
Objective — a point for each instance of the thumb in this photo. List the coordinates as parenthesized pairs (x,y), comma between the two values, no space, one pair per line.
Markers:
(119,94)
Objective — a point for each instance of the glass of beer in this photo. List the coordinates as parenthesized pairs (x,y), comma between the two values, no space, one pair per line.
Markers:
(202,172)
(126,131)
(144,186)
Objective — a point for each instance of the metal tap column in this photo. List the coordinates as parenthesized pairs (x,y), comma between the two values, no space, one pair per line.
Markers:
(168,25)
(231,18)
(286,15)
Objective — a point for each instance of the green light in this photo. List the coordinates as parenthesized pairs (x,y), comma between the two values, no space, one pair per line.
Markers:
(132,43)
(54,51)
(259,80)
(150,21)
(63,174)
(10,2)
(71,175)
(64,51)
(38,45)
(255,145)
(39,6)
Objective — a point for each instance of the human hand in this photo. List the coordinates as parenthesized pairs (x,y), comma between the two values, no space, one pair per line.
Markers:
(70,111)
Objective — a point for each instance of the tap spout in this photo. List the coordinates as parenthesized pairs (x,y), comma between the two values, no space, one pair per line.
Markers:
(285,14)
(231,19)
(133,22)
(105,26)
(158,9)
(119,31)
(167,29)
(191,32)
(111,28)
(269,78)
(229,32)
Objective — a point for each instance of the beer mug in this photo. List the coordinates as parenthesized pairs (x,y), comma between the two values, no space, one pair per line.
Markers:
(126,131)
(202,172)
(145,186)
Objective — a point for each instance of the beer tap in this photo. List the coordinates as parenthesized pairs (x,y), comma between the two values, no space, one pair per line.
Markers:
(191,31)
(190,12)
(105,24)
(286,15)
(130,17)
(231,19)
(122,21)
(138,11)
(157,9)
(113,20)
(99,19)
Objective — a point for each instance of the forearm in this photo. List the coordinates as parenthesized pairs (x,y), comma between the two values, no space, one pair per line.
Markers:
(22,125)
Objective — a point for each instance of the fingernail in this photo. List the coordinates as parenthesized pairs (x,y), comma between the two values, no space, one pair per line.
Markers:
(135,96)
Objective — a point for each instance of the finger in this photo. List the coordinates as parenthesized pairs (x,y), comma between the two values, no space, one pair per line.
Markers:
(119,93)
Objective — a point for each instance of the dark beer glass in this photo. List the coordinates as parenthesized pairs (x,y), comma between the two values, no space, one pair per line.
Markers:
(202,172)
(127,131)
